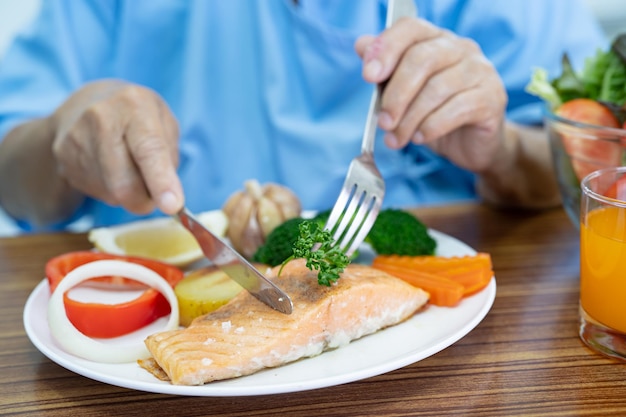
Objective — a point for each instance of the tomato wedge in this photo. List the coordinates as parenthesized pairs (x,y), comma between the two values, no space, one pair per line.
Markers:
(589,155)
(112,320)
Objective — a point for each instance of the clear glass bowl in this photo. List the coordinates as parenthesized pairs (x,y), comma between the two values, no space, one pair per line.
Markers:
(579,149)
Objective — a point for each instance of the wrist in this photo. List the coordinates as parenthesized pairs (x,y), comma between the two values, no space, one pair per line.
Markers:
(521,174)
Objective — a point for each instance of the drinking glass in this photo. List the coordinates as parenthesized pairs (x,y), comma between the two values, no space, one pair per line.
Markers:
(603,261)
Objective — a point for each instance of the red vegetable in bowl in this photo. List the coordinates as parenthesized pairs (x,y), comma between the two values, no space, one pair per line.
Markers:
(588,155)
(617,190)
(588,111)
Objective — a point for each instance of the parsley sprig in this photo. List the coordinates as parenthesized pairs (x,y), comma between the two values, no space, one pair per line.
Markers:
(318,248)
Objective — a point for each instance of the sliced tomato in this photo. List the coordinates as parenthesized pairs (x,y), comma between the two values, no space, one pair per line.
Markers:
(588,155)
(112,320)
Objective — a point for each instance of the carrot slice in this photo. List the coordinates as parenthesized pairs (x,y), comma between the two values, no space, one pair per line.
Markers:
(472,281)
(433,263)
(472,278)
(473,272)
(443,292)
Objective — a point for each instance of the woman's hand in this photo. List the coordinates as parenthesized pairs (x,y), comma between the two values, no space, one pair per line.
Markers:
(441,91)
(118,142)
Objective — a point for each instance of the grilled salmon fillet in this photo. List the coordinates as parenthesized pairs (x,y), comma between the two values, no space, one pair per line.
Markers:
(245,336)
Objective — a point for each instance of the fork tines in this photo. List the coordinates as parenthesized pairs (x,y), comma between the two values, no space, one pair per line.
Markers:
(356,208)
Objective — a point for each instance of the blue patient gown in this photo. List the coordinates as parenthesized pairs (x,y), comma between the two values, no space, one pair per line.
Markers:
(271,89)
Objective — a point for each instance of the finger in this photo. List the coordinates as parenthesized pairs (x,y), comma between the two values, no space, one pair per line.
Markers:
(362,43)
(381,55)
(439,89)
(122,181)
(419,65)
(77,155)
(74,163)
(471,136)
(171,129)
(469,107)
(150,146)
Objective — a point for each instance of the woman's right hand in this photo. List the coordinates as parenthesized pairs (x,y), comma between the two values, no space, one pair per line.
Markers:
(118,142)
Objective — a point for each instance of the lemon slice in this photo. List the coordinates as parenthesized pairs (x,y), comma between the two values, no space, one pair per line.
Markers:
(203,291)
(163,239)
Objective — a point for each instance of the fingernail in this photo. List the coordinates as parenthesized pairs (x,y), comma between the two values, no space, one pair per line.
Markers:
(391,140)
(418,137)
(169,203)
(372,50)
(385,121)
(372,69)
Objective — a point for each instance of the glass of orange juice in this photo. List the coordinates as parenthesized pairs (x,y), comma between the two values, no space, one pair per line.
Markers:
(603,261)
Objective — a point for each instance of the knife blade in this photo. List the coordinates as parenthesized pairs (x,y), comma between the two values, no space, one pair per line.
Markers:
(235,265)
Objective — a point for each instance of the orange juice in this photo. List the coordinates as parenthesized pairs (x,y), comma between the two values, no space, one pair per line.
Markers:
(603,266)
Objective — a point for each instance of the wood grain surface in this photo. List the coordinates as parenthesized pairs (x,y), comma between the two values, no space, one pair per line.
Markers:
(525,358)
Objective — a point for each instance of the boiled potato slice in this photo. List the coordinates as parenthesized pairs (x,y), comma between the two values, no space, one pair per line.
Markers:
(203,291)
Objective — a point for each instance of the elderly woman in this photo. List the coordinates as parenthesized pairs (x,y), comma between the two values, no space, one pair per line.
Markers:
(123,108)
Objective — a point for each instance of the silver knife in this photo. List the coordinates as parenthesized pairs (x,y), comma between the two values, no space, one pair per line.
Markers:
(236,266)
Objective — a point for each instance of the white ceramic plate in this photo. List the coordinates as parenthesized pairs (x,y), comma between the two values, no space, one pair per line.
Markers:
(425,334)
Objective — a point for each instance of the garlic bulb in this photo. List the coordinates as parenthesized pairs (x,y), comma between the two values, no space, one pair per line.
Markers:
(255,211)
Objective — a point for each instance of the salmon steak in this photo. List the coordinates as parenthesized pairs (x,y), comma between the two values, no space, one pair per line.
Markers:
(245,336)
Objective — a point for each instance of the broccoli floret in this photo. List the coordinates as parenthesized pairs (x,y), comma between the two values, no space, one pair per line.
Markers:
(394,232)
(279,243)
(397,232)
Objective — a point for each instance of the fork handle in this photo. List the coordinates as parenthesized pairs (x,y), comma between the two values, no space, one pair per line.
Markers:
(369,135)
(395,10)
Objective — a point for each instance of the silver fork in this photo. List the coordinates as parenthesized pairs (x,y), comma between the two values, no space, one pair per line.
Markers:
(363,190)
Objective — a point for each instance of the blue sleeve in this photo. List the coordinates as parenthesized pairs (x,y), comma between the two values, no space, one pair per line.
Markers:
(69,43)
(520,35)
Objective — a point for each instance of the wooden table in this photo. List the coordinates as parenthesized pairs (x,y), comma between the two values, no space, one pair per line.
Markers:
(525,358)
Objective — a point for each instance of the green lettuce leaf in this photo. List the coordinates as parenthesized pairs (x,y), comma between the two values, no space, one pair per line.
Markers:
(541,86)
(603,78)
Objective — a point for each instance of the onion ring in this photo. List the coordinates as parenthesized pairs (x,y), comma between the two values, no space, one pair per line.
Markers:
(76,343)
